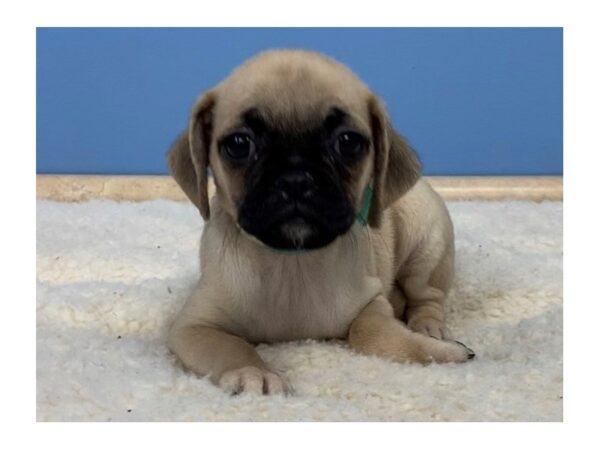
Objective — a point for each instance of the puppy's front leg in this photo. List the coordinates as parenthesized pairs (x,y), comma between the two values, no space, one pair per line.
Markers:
(376,331)
(426,289)
(425,308)
(231,363)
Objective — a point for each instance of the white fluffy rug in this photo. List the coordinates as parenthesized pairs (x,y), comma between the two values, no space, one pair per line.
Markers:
(110,276)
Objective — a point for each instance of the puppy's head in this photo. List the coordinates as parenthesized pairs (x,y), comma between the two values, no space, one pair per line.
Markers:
(293,140)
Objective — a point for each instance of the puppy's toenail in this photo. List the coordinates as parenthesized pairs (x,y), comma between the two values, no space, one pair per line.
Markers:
(470,353)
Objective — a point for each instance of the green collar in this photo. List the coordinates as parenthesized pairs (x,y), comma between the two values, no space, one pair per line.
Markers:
(362,217)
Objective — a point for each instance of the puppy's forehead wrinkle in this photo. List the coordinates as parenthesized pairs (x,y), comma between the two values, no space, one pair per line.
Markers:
(292,120)
(299,124)
(253,118)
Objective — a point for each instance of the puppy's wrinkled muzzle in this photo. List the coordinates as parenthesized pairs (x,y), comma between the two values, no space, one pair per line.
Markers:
(296,185)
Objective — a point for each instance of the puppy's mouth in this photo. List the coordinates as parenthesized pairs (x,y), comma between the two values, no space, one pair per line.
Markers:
(295,225)
(297,231)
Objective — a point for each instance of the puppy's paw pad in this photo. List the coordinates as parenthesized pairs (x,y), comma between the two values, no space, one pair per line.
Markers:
(254,380)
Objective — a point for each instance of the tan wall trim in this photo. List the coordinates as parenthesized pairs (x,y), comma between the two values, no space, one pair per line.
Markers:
(75,188)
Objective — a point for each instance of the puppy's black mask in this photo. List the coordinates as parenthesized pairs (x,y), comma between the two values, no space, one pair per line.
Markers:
(295,178)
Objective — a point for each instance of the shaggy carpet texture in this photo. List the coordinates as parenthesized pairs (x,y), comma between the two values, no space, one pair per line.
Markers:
(111,276)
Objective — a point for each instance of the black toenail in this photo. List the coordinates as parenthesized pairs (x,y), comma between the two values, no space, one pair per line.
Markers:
(470,353)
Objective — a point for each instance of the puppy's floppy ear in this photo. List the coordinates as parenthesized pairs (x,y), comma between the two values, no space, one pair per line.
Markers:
(188,157)
(396,168)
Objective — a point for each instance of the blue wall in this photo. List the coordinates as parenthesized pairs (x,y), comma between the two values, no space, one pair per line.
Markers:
(472,101)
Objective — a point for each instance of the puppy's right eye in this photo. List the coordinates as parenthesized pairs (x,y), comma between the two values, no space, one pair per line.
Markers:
(349,144)
(238,147)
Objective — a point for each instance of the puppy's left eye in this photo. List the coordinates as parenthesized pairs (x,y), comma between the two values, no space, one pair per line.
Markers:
(349,144)
(238,147)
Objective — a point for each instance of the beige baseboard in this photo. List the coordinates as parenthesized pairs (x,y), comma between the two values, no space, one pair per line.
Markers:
(76,188)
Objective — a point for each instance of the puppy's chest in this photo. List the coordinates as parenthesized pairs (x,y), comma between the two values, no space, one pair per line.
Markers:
(295,298)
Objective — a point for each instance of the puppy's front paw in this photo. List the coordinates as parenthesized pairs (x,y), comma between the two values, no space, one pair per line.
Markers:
(429,326)
(254,380)
(443,348)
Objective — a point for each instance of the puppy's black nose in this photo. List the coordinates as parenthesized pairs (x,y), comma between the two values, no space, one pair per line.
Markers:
(297,183)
